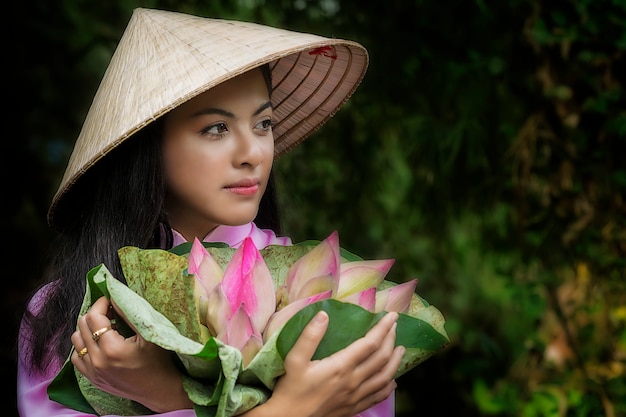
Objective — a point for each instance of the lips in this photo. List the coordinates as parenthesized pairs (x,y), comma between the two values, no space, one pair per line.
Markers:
(244,187)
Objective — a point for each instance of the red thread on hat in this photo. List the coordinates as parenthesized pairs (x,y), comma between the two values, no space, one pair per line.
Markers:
(327,51)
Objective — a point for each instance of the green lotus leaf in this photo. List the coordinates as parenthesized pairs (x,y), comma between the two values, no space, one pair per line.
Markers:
(349,322)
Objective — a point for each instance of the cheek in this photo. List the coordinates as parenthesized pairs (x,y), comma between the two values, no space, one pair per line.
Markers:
(268,150)
(177,165)
(186,165)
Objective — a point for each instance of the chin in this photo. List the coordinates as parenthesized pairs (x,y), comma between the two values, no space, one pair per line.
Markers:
(238,220)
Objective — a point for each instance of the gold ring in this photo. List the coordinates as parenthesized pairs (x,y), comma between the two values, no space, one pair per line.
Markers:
(98,333)
(82,352)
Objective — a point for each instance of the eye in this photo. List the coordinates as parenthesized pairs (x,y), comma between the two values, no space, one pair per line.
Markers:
(265,125)
(218,129)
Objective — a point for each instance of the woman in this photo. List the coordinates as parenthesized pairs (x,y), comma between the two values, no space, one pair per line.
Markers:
(179,143)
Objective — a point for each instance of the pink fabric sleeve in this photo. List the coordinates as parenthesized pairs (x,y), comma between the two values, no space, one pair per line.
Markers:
(383,409)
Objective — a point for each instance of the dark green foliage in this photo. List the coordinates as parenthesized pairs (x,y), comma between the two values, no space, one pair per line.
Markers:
(485,151)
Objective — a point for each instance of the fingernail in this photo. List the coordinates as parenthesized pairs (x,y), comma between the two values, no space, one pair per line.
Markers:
(321,317)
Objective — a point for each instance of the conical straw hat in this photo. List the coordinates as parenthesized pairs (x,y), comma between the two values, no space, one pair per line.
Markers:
(166,58)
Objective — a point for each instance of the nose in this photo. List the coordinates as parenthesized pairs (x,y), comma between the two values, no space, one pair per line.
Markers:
(249,149)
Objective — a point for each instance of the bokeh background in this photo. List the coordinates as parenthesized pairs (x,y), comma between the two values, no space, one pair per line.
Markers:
(485,151)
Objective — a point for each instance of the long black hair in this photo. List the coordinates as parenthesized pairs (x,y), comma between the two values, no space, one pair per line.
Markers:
(120,201)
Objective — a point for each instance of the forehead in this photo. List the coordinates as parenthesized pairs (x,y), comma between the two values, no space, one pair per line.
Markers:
(247,87)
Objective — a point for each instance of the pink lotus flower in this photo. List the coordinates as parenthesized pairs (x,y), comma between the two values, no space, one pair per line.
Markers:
(240,304)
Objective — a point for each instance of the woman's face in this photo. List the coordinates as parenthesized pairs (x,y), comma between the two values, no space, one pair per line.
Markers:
(218,151)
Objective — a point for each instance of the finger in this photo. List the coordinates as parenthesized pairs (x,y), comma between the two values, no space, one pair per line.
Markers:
(383,326)
(96,317)
(386,373)
(79,354)
(310,338)
(363,348)
(91,328)
(97,335)
(378,387)
(94,327)
(377,397)
(101,306)
(79,359)
(380,357)
(396,360)
(100,320)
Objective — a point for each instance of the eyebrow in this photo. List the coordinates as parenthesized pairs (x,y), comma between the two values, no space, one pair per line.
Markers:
(225,113)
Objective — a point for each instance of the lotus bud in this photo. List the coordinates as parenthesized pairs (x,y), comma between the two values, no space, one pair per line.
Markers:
(204,267)
(207,274)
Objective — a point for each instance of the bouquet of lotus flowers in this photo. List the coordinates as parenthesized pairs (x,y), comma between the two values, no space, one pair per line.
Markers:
(230,316)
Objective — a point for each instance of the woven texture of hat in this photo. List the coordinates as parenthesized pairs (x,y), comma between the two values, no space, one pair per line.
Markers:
(166,58)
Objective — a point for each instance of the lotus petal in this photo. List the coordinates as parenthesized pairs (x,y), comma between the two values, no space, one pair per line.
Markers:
(219,311)
(396,298)
(247,281)
(204,268)
(365,299)
(250,349)
(241,334)
(314,286)
(281,317)
(357,276)
(323,259)
(238,329)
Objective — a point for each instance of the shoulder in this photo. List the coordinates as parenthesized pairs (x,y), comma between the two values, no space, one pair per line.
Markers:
(39,297)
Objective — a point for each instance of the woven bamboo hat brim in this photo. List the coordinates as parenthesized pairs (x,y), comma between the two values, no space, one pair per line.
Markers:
(166,58)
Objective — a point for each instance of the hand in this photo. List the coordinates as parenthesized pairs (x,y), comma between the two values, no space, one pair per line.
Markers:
(126,367)
(341,385)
